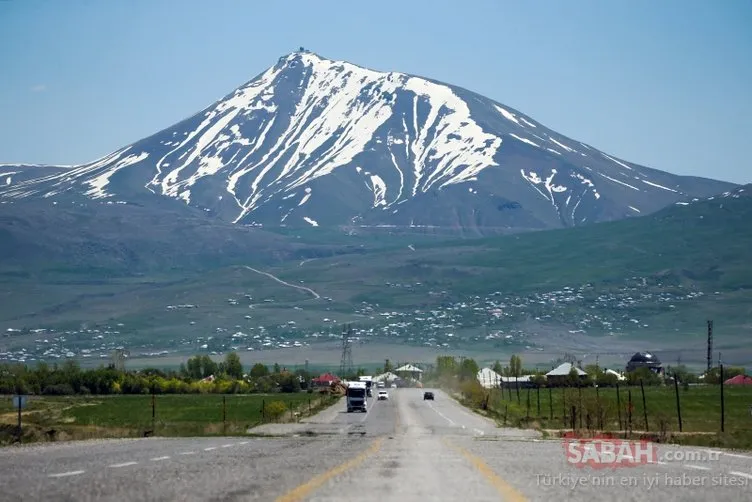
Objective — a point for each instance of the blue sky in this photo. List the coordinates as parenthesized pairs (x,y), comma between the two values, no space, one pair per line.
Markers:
(666,84)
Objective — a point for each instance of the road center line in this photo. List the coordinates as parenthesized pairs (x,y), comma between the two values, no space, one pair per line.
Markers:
(227,445)
(742,474)
(66,474)
(368,410)
(507,491)
(157,459)
(698,467)
(452,422)
(242,443)
(736,455)
(210,448)
(188,453)
(304,490)
(124,464)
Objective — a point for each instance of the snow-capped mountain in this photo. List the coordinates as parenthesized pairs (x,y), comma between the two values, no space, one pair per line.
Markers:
(312,141)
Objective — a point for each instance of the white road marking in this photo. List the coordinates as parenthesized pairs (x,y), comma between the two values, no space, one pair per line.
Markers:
(188,453)
(66,474)
(742,474)
(156,459)
(452,422)
(124,464)
(243,442)
(698,467)
(736,455)
(210,448)
(368,410)
(479,432)
(227,445)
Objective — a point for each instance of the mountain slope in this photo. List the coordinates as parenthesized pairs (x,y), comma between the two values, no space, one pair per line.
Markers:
(312,142)
(645,282)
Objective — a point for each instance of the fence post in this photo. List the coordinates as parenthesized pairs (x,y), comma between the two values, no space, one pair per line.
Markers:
(310,411)
(629,411)
(579,392)
(564,405)
(678,403)
(599,415)
(19,394)
(527,410)
(153,410)
(644,406)
(574,418)
(224,415)
(538,391)
(517,385)
(723,404)
(506,412)
(263,410)
(618,405)
(550,404)
(292,416)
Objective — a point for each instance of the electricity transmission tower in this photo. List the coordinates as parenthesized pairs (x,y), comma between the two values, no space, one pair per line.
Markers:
(118,358)
(346,364)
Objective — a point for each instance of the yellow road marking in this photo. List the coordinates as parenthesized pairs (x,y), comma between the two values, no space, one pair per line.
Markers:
(309,487)
(505,489)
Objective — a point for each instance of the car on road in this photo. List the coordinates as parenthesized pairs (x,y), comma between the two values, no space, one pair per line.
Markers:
(428,395)
(383,395)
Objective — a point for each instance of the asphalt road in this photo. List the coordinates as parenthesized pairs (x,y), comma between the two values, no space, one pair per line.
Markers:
(403,449)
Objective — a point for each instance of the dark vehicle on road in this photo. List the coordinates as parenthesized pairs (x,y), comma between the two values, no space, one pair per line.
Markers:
(428,395)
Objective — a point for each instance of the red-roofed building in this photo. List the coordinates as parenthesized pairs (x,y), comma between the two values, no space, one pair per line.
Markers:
(739,380)
(324,380)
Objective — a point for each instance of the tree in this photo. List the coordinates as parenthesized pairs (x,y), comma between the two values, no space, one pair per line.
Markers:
(259,370)
(538,380)
(276,368)
(289,383)
(714,375)
(647,376)
(469,370)
(498,368)
(388,366)
(233,366)
(515,365)
(573,377)
(446,366)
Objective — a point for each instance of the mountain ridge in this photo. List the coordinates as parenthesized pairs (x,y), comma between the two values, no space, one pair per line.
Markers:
(312,141)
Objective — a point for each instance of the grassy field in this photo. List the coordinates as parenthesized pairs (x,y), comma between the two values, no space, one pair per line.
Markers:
(79,417)
(601,410)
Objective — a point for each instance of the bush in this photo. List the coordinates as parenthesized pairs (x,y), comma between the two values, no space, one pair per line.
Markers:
(275,409)
(62,389)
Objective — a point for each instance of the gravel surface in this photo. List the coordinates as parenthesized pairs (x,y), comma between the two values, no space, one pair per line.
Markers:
(402,449)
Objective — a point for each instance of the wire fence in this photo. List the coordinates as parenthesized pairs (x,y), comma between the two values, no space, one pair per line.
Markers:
(45,418)
(624,409)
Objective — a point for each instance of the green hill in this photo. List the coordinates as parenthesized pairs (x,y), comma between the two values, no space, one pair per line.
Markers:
(647,282)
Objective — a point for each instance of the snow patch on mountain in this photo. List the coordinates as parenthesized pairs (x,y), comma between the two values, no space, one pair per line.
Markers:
(525,140)
(365,142)
(459,147)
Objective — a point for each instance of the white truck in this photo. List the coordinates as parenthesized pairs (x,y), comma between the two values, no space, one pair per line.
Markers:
(356,396)
(368,380)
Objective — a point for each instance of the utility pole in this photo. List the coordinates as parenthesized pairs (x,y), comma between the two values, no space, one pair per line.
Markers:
(345,365)
(710,345)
